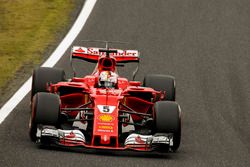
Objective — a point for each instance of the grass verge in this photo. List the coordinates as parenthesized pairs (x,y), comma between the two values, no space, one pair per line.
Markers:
(27,29)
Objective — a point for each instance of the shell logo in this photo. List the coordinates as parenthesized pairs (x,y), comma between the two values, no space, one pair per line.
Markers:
(106,118)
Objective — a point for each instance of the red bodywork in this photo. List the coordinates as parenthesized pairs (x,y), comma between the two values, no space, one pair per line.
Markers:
(79,92)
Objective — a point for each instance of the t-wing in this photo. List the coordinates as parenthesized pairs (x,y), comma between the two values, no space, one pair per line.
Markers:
(91,54)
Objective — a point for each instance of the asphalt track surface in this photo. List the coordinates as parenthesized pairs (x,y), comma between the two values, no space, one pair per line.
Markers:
(204,44)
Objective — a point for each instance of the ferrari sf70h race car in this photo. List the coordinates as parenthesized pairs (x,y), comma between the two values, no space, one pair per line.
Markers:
(104,110)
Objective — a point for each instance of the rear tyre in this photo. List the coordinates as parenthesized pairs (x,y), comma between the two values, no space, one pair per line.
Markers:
(168,120)
(161,83)
(42,76)
(45,111)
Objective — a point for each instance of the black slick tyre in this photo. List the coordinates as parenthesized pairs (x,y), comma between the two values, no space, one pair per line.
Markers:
(168,120)
(45,111)
(44,75)
(161,83)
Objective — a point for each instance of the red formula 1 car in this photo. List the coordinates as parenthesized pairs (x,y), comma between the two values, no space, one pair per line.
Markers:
(104,110)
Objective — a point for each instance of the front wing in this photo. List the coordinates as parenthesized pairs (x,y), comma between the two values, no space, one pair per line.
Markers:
(75,138)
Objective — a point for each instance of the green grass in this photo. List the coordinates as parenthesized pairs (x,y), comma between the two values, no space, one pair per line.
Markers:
(27,29)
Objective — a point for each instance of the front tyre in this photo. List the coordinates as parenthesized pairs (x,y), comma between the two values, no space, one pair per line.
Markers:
(45,111)
(168,120)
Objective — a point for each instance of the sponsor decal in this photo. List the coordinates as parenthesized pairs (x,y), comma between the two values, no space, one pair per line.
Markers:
(70,135)
(105,123)
(95,51)
(139,140)
(106,118)
(105,127)
(80,50)
(105,130)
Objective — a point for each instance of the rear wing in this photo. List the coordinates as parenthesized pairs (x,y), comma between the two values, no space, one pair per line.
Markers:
(91,54)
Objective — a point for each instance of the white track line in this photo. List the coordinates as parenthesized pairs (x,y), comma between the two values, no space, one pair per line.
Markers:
(52,60)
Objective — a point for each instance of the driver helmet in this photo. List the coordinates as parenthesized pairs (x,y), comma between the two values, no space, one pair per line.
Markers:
(107,79)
